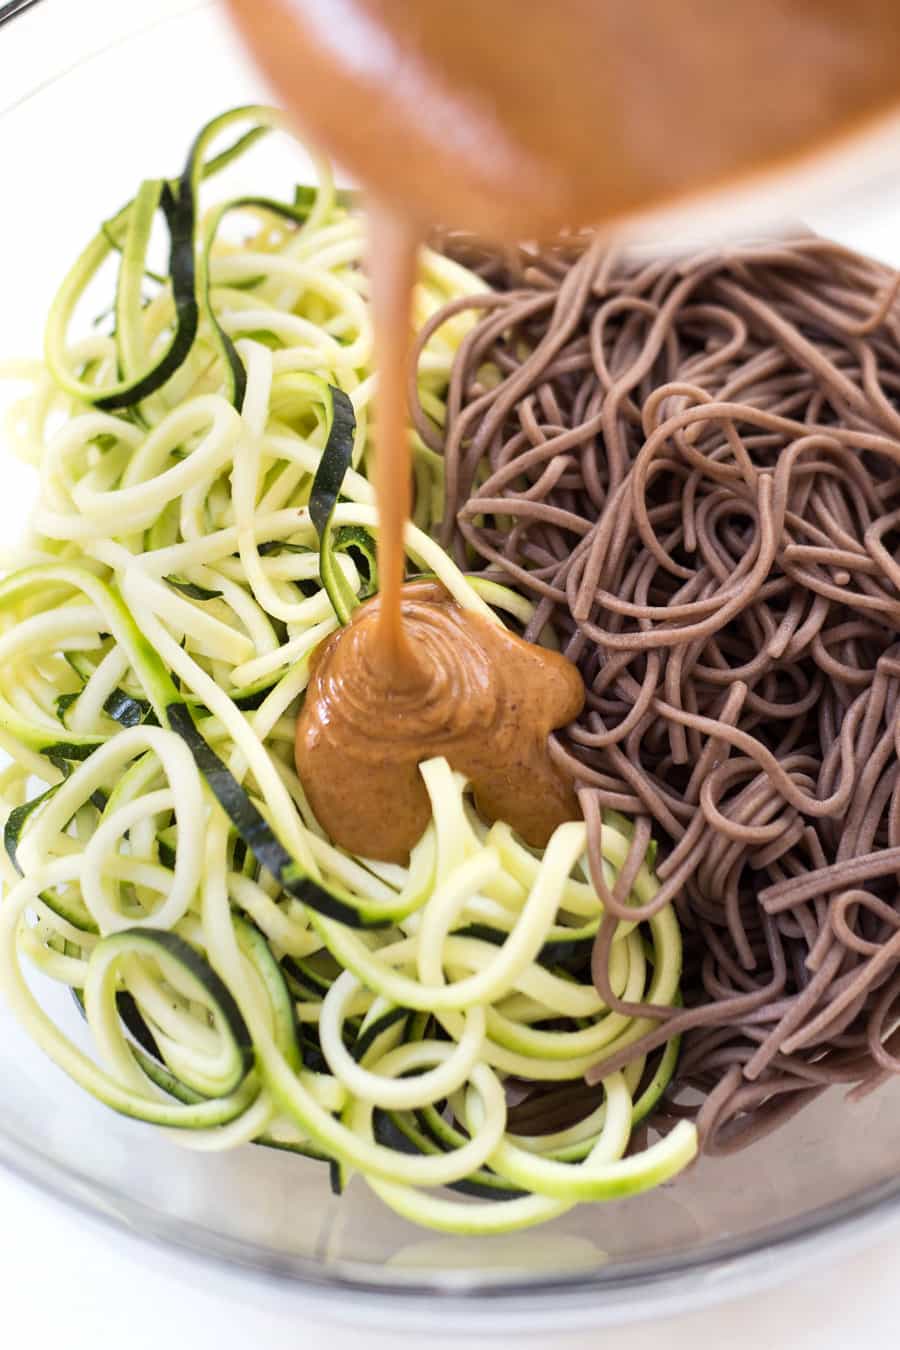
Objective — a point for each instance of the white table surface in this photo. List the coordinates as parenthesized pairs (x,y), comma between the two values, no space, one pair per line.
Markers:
(66,1280)
(64,1277)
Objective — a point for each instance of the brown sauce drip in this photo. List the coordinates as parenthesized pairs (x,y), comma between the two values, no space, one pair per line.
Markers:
(516,121)
(393,247)
(486,700)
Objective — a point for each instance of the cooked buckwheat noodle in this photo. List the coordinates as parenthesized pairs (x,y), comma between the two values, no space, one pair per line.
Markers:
(693,465)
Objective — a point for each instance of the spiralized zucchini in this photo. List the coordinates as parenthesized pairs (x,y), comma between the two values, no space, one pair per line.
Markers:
(205,519)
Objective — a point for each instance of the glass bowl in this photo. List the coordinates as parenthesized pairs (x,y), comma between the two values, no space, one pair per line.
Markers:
(93,97)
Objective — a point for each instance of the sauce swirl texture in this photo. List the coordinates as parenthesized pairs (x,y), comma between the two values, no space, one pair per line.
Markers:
(477,694)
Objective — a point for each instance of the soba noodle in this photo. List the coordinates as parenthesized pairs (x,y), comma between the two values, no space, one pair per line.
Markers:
(693,465)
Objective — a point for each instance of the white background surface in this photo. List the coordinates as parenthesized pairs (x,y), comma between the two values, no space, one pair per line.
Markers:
(73,1283)
(68,1281)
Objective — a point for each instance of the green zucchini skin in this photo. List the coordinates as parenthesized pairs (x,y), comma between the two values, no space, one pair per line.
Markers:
(326,490)
(156,940)
(205,521)
(188,264)
(253,828)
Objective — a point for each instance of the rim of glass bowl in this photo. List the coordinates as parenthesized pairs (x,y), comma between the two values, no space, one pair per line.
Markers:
(641,1290)
(645,1288)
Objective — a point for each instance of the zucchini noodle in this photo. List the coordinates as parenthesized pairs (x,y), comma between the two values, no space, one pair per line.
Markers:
(205,518)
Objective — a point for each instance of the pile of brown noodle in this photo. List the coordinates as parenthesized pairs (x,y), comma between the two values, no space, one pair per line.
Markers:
(693,465)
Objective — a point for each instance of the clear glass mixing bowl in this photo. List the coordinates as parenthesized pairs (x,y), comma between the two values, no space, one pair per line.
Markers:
(98,94)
